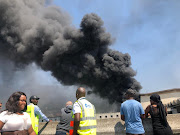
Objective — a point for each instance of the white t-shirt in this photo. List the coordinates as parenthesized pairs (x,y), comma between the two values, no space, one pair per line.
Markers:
(77,107)
(14,122)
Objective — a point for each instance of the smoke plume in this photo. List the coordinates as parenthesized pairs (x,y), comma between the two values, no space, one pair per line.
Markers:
(31,32)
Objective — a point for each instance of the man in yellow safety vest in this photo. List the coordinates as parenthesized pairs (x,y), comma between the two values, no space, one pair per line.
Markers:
(35,113)
(84,115)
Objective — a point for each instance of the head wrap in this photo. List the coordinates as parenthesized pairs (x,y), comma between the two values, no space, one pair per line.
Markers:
(156,98)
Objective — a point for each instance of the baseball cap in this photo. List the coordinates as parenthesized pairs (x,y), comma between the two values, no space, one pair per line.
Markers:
(34,97)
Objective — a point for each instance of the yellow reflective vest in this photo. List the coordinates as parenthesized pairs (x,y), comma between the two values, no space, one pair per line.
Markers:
(34,119)
(87,124)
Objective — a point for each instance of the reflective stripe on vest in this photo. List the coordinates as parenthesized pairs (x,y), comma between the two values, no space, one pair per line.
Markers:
(34,120)
(87,127)
(88,118)
(87,124)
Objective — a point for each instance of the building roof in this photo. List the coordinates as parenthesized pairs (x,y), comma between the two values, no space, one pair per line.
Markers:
(162,92)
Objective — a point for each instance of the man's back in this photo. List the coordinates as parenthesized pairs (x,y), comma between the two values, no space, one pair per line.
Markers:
(64,124)
(87,113)
(132,111)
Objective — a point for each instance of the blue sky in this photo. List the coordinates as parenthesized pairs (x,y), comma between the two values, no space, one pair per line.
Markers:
(148,30)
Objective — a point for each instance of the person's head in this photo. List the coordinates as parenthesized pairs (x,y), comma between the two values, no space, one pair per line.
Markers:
(34,100)
(0,105)
(130,93)
(154,99)
(16,102)
(69,103)
(80,92)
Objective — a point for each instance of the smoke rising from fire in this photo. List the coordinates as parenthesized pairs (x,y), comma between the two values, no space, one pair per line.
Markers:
(31,32)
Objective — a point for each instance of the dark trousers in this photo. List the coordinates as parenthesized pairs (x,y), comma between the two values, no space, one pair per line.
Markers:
(133,134)
(61,133)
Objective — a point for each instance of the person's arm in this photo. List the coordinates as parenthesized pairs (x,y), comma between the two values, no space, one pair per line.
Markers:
(142,116)
(38,112)
(31,131)
(3,120)
(122,113)
(1,125)
(76,123)
(166,110)
(123,117)
(147,110)
(142,113)
(77,115)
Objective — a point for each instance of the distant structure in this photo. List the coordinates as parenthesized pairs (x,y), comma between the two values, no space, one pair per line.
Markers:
(170,98)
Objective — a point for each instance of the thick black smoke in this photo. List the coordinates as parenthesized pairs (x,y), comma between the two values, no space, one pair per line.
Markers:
(30,32)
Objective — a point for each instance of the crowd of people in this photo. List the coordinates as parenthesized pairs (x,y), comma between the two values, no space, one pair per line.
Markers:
(18,118)
(79,118)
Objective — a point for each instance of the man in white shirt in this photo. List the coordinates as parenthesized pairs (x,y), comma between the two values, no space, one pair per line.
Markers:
(84,115)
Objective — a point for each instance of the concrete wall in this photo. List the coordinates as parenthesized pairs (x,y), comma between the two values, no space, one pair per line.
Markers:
(110,124)
(108,115)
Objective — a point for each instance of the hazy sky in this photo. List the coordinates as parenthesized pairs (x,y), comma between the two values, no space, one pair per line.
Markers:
(148,30)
